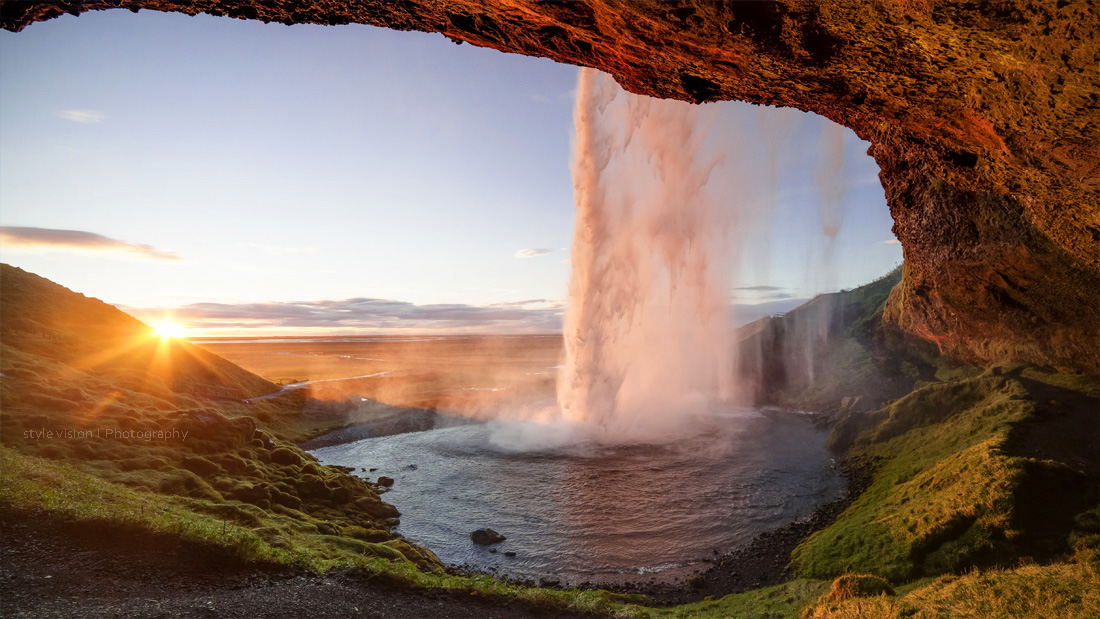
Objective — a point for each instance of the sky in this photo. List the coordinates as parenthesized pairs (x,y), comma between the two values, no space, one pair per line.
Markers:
(251,178)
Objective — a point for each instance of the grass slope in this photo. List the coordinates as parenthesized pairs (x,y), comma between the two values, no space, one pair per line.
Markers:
(49,321)
(947,490)
(86,385)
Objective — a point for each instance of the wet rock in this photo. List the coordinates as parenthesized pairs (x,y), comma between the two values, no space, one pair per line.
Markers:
(385,482)
(486,537)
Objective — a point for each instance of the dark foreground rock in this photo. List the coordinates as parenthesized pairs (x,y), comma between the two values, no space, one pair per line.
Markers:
(49,570)
(486,537)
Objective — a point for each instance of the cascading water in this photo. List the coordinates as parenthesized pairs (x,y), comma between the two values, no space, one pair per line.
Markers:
(667,195)
(647,330)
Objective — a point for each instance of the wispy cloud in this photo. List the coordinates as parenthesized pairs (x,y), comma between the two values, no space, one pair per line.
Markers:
(891,242)
(82,116)
(759,288)
(531,253)
(368,314)
(50,239)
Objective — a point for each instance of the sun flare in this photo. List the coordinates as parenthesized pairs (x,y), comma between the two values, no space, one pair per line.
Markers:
(168,329)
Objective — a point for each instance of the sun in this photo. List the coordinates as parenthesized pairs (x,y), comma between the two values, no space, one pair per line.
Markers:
(168,329)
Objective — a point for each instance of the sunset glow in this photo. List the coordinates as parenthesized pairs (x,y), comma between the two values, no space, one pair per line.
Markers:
(168,329)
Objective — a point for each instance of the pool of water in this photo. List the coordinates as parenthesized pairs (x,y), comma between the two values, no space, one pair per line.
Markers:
(574,510)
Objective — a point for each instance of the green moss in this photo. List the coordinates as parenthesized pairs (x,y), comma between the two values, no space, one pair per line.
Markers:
(943,491)
(33,484)
(367,535)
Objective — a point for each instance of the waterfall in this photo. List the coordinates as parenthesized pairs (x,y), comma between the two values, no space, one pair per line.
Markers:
(669,197)
(647,329)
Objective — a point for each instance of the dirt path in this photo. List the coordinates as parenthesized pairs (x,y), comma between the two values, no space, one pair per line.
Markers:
(54,571)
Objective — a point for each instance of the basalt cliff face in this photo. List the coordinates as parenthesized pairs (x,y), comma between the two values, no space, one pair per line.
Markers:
(983,117)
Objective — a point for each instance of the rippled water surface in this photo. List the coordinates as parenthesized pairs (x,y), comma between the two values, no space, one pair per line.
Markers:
(577,511)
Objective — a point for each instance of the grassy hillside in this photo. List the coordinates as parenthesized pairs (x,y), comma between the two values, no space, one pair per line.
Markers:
(951,488)
(90,388)
(42,319)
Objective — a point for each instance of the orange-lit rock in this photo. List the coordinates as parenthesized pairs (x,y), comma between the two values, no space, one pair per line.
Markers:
(983,117)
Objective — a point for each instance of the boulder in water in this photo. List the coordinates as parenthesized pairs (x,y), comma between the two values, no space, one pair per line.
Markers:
(486,537)
(385,482)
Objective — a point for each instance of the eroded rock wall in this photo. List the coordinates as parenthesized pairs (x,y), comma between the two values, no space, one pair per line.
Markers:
(982,115)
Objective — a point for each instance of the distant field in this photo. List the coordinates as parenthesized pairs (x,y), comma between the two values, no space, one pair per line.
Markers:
(469,374)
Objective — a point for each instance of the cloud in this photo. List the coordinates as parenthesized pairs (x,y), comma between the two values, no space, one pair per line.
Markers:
(891,242)
(77,240)
(82,116)
(760,288)
(368,314)
(531,253)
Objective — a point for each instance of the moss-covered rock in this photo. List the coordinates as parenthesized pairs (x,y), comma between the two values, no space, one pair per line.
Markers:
(286,457)
(200,466)
(366,535)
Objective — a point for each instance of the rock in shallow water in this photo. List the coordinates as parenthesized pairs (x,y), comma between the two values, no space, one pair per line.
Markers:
(486,537)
